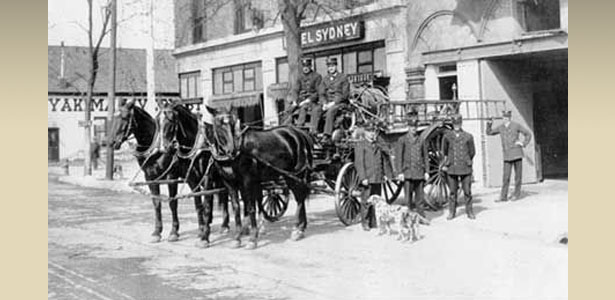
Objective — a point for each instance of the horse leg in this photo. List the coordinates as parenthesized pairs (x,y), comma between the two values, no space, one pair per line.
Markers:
(155,190)
(253,193)
(301,192)
(236,208)
(223,203)
(203,216)
(174,234)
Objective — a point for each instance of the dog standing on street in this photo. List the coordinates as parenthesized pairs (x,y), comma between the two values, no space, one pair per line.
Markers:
(406,221)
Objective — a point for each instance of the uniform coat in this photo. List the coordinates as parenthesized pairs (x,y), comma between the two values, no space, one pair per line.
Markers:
(458,148)
(412,160)
(334,88)
(373,161)
(308,86)
(510,136)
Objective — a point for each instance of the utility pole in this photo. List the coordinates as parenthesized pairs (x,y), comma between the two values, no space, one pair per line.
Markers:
(150,64)
(111,99)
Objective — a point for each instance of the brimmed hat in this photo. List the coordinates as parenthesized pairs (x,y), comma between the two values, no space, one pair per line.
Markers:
(306,62)
(507,113)
(457,119)
(332,61)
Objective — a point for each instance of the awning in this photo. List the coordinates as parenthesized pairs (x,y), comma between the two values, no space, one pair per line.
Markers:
(236,100)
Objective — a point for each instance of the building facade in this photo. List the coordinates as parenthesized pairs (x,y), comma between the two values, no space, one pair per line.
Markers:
(512,50)
(67,88)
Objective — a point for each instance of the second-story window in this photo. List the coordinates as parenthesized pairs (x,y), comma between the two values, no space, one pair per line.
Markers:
(190,85)
(535,15)
(238,79)
(243,16)
(199,21)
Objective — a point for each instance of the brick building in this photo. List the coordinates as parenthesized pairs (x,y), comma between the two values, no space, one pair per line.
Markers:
(513,50)
(67,72)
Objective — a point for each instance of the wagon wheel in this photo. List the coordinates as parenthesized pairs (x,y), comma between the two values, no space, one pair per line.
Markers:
(436,186)
(347,195)
(391,190)
(274,204)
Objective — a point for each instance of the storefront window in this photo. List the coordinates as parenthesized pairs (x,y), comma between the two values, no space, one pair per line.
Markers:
(360,59)
(189,85)
(237,79)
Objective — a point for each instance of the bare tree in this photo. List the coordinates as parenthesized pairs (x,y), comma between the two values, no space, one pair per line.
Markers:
(93,51)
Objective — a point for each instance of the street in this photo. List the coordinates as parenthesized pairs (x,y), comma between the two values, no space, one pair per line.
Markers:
(98,249)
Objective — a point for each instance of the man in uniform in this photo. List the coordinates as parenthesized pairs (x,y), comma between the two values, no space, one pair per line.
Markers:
(412,164)
(334,91)
(458,149)
(369,165)
(308,95)
(512,147)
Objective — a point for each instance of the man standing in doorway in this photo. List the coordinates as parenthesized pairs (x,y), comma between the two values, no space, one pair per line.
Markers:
(458,149)
(308,95)
(512,148)
(334,91)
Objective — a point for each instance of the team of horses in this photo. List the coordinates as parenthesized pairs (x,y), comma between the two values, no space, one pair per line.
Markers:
(176,147)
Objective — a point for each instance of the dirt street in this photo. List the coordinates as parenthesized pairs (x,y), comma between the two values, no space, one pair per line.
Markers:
(98,249)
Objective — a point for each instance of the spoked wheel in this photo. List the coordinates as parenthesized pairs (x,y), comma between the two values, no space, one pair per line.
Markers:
(436,186)
(347,195)
(391,190)
(274,204)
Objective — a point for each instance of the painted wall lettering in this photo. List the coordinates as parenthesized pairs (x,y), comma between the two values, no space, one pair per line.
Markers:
(329,33)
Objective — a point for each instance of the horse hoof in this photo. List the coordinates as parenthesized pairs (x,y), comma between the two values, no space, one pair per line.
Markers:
(297,235)
(173,237)
(202,244)
(251,245)
(262,230)
(154,239)
(236,244)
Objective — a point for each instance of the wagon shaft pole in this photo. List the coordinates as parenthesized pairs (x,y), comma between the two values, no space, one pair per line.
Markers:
(202,193)
(164,181)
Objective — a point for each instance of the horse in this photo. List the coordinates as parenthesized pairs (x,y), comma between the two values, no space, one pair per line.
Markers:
(246,158)
(156,164)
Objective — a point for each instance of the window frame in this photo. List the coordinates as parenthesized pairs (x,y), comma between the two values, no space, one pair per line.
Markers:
(230,81)
(190,94)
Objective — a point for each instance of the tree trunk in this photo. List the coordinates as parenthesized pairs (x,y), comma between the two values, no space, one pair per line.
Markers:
(291,22)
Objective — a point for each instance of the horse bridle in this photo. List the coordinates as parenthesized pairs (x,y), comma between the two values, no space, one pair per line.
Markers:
(132,122)
(235,140)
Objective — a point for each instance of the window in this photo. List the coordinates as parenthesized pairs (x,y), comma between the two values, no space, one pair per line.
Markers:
(198,21)
(535,15)
(100,129)
(243,16)
(237,79)
(282,70)
(190,85)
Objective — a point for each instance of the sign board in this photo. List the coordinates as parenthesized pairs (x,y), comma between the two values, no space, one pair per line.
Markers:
(332,32)
(363,77)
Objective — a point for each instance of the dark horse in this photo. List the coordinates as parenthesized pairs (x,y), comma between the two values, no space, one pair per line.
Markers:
(247,158)
(156,165)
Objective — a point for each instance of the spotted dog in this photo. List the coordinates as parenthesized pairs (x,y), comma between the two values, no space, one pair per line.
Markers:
(405,220)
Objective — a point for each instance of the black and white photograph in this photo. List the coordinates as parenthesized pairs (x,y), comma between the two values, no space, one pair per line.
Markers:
(307,149)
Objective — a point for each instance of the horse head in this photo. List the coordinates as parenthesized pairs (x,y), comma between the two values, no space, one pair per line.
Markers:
(226,131)
(123,124)
(168,124)
(179,127)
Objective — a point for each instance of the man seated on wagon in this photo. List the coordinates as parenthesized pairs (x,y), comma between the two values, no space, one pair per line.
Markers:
(333,94)
(308,95)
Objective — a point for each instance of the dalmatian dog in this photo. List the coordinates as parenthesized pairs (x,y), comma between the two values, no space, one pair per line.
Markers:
(406,222)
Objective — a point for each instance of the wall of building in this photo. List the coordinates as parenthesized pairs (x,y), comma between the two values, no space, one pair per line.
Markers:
(507,80)
(66,112)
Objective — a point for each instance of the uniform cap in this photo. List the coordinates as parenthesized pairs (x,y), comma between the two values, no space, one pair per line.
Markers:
(306,62)
(332,61)
(456,119)
(506,113)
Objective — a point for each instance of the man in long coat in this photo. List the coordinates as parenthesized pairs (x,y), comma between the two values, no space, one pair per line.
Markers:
(459,151)
(412,164)
(512,147)
(370,165)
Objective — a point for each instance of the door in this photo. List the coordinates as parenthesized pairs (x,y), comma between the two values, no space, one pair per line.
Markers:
(53,141)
